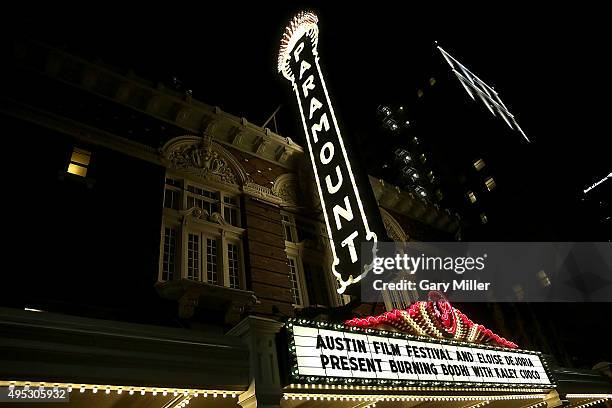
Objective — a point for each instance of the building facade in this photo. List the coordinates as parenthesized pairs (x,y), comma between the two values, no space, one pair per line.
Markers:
(162,243)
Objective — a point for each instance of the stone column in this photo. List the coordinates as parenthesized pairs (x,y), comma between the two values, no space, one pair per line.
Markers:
(259,334)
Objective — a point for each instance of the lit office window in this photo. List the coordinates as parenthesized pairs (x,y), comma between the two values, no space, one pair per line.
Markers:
(479,164)
(471,196)
(390,123)
(384,110)
(490,183)
(79,162)
(421,191)
(169,255)
(233,266)
(483,218)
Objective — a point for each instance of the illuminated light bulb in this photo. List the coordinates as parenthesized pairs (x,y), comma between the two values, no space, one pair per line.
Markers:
(224,395)
(94,390)
(233,395)
(107,391)
(195,394)
(142,392)
(175,393)
(82,390)
(205,395)
(119,391)
(69,388)
(154,392)
(164,393)
(215,395)
(131,392)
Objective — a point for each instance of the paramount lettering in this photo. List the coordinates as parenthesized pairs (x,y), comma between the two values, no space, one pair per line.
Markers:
(345,218)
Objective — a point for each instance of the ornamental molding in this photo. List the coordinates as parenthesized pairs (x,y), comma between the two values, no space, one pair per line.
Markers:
(204,158)
(394,229)
(286,187)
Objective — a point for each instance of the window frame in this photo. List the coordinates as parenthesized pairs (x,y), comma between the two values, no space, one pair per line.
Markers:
(318,256)
(82,165)
(184,224)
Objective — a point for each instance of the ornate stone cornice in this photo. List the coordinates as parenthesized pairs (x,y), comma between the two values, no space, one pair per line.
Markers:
(164,104)
(202,157)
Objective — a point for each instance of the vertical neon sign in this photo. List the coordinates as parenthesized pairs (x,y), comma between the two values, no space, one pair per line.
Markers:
(345,219)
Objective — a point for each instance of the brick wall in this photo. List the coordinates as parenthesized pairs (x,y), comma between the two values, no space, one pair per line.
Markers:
(267,268)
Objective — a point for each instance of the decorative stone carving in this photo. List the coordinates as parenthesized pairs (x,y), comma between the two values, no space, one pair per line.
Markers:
(203,157)
(285,187)
(218,218)
(394,229)
(237,134)
(261,145)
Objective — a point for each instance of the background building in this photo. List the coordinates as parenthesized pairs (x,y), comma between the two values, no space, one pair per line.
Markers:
(452,138)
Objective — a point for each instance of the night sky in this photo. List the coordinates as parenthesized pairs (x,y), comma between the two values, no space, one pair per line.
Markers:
(547,64)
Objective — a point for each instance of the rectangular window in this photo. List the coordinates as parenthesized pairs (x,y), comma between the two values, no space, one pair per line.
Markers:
(193,257)
(79,162)
(295,285)
(288,228)
(471,196)
(169,255)
(204,199)
(172,194)
(233,266)
(212,275)
(479,164)
(490,183)
(231,216)
(230,211)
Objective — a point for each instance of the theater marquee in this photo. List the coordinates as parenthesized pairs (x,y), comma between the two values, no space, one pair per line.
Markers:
(365,356)
(345,218)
